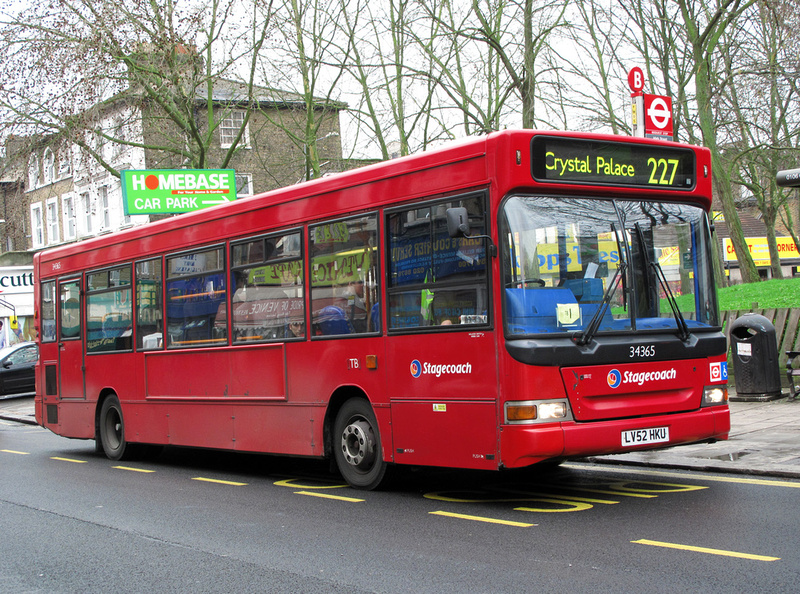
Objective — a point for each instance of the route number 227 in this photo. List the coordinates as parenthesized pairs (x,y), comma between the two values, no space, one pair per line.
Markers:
(662,171)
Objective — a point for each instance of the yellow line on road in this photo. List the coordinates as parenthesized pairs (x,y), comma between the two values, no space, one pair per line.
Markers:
(15,452)
(68,460)
(481,519)
(208,480)
(132,469)
(670,545)
(326,496)
(688,475)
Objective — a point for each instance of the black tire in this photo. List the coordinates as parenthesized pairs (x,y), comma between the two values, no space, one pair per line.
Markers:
(357,445)
(112,430)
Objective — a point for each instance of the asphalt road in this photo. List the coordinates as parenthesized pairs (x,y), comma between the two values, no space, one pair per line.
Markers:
(193,521)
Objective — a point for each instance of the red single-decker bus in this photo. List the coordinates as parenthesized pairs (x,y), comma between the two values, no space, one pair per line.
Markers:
(511,299)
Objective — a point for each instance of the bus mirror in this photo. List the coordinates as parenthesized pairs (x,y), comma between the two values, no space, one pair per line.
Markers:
(458,226)
(457,222)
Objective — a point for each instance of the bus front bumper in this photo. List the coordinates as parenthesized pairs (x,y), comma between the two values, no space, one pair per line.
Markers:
(523,445)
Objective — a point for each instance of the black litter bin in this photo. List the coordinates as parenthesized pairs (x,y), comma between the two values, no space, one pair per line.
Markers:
(754,349)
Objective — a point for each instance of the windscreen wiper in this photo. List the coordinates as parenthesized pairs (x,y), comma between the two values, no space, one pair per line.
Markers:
(584,337)
(683,328)
(620,253)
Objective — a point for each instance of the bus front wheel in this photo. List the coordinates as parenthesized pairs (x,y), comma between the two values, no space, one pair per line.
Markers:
(112,429)
(357,445)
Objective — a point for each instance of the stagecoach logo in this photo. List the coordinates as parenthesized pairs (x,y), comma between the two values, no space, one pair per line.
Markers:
(640,378)
(418,369)
(614,378)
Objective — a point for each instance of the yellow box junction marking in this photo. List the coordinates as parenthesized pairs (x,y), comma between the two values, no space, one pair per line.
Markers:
(132,469)
(68,460)
(482,519)
(219,482)
(724,553)
(15,452)
(290,482)
(328,496)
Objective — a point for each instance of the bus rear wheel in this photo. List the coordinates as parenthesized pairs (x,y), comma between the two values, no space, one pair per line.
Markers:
(357,445)
(112,430)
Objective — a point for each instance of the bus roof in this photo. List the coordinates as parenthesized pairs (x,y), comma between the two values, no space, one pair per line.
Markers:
(211,225)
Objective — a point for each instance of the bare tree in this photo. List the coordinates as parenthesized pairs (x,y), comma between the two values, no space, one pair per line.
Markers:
(63,65)
(759,60)
(704,26)
(306,57)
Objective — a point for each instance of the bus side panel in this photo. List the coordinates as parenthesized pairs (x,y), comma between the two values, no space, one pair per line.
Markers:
(244,372)
(444,423)
(75,419)
(443,390)
(279,429)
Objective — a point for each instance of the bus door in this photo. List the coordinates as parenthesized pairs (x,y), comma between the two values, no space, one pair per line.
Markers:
(71,368)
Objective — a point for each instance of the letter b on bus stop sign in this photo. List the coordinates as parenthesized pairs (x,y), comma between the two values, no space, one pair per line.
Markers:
(636,79)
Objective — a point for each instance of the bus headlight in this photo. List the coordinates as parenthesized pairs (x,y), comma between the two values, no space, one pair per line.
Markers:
(537,411)
(552,410)
(714,395)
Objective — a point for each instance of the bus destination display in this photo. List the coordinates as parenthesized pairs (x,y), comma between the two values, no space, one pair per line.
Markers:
(579,161)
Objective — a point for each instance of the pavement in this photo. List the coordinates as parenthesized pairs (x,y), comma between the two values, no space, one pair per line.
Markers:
(764,440)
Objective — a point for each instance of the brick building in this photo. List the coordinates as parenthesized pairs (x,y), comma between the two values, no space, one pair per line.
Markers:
(55,192)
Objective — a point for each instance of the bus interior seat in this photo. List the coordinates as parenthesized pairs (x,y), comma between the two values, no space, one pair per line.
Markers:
(331,320)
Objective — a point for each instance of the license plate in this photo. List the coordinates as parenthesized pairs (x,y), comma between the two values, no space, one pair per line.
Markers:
(634,437)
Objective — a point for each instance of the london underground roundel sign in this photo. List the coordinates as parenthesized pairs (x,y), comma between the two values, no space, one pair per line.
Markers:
(658,116)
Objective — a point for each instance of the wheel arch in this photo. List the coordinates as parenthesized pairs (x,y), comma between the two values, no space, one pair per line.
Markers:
(105,393)
(341,395)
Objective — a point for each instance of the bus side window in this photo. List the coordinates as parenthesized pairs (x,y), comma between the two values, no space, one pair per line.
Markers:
(149,305)
(197,299)
(267,283)
(109,310)
(436,280)
(344,276)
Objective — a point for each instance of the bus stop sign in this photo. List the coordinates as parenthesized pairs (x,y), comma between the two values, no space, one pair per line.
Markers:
(658,117)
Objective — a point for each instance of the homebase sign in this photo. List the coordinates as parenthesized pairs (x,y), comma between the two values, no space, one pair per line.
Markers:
(168,191)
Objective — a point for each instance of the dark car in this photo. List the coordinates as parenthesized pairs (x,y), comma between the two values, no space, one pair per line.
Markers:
(17,376)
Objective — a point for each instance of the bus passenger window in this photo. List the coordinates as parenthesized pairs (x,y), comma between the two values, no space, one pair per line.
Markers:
(109,311)
(436,281)
(267,285)
(48,307)
(197,299)
(344,277)
(149,305)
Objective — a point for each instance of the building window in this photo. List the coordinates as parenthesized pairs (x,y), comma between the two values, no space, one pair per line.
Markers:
(244,184)
(70,221)
(64,164)
(37,225)
(229,129)
(53,236)
(106,209)
(49,165)
(86,209)
(33,172)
